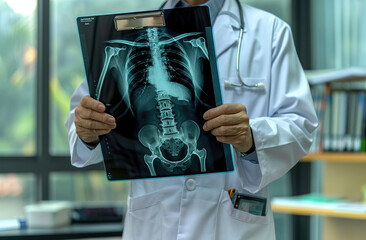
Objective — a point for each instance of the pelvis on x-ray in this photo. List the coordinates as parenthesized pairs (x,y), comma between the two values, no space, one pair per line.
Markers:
(158,78)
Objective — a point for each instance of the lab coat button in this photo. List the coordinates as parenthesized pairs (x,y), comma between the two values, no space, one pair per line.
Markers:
(190,184)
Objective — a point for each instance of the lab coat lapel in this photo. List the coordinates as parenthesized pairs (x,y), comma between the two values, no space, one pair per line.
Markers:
(226,28)
(224,34)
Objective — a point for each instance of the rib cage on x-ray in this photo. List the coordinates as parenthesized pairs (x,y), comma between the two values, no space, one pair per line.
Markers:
(154,71)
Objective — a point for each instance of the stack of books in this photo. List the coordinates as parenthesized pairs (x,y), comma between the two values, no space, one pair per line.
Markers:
(340,103)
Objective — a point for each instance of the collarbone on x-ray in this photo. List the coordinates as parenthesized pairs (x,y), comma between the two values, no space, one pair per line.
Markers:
(153,70)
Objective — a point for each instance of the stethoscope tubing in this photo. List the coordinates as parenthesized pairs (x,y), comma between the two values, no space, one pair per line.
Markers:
(240,40)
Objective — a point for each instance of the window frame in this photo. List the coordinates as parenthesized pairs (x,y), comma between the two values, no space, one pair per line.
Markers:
(42,164)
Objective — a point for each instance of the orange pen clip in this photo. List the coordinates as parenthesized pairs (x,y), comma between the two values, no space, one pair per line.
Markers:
(231,192)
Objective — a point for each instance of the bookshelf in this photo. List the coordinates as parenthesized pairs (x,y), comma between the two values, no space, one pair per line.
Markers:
(337,95)
(344,174)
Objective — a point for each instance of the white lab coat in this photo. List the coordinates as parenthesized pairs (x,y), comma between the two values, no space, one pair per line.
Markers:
(282,119)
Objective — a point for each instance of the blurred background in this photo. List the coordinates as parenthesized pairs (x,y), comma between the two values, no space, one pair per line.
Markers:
(41,66)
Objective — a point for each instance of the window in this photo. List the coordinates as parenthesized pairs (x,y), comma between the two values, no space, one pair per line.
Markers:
(40,67)
(17,74)
(338,34)
(87,187)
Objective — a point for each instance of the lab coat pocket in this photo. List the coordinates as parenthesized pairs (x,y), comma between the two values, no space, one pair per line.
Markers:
(239,214)
(144,217)
(239,224)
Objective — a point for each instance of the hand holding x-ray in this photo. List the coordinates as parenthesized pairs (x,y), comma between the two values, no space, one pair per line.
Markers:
(229,123)
(91,121)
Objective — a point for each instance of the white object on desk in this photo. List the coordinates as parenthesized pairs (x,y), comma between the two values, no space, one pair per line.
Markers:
(48,214)
(11,224)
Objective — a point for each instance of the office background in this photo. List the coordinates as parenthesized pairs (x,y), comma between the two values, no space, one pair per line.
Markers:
(41,65)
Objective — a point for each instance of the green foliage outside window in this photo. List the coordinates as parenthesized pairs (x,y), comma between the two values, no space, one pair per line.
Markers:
(17,81)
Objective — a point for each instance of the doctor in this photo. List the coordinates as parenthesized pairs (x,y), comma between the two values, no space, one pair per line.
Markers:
(269,128)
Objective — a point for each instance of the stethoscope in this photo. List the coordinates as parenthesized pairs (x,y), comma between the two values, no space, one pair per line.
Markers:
(227,83)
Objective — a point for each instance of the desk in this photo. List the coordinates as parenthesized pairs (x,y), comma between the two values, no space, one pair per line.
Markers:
(74,231)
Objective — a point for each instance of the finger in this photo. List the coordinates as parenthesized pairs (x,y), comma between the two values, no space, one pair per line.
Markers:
(93,125)
(230,130)
(227,108)
(226,120)
(90,103)
(85,113)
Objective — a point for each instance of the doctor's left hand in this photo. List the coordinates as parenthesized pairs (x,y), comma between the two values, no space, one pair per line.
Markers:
(229,123)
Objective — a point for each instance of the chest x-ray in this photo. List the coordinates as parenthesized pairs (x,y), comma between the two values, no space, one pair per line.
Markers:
(156,73)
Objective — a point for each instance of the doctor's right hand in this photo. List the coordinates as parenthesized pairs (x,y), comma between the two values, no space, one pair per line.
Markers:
(91,121)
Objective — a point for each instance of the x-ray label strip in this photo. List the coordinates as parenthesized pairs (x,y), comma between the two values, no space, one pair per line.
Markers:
(138,21)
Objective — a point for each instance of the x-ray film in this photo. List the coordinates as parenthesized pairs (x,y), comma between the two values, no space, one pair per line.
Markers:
(156,73)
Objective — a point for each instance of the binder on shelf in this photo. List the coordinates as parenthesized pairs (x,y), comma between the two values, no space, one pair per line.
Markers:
(360,120)
(335,121)
(326,123)
(351,115)
(342,121)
